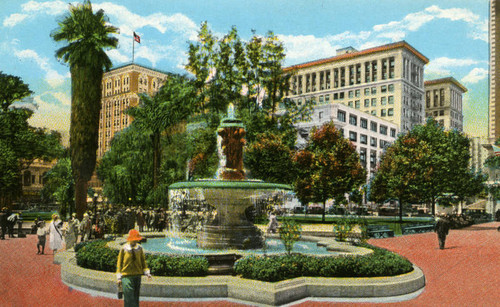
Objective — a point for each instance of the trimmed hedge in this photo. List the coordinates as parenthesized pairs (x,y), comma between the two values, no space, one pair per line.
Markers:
(96,256)
(277,268)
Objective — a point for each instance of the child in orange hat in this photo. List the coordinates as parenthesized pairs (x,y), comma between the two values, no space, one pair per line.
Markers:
(130,267)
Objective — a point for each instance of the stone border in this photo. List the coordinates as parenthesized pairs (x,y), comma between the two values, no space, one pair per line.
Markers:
(247,290)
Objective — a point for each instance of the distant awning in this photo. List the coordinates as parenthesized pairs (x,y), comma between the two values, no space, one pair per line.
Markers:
(480,205)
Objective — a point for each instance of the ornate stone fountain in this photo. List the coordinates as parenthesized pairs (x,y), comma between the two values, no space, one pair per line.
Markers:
(230,194)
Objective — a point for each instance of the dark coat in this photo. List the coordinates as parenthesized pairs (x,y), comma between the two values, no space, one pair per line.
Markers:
(442,227)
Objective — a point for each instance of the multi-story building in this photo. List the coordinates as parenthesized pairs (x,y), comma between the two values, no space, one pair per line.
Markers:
(385,81)
(370,134)
(478,153)
(120,89)
(494,99)
(33,180)
(443,102)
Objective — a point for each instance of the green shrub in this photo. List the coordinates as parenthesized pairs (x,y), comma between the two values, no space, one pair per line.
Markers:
(96,256)
(289,233)
(177,265)
(276,268)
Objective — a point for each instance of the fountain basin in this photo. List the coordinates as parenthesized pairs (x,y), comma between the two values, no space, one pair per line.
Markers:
(230,229)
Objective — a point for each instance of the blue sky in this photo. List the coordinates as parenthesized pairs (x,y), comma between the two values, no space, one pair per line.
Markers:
(452,34)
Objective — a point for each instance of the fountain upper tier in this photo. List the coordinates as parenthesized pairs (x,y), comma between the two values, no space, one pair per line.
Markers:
(230,194)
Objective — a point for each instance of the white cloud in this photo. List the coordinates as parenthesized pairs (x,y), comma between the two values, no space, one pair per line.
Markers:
(396,30)
(49,7)
(52,77)
(442,65)
(62,97)
(307,47)
(33,8)
(475,75)
(50,115)
(14,19)
(117,56)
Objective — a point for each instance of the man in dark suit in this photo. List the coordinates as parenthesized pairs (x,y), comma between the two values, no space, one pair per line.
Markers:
(442,228)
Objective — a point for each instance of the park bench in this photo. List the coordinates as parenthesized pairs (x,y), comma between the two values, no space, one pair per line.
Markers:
(417,228)
(379,231)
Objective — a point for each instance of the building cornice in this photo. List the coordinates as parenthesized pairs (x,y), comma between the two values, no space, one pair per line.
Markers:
(446,80)
(384,48)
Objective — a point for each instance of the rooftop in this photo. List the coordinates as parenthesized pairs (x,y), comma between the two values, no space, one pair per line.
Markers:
(349,55)
(446,80)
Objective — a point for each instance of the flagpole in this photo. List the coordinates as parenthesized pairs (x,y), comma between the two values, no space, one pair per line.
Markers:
(133,48)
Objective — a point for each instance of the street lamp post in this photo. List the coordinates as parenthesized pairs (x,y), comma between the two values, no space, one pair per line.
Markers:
(95,204)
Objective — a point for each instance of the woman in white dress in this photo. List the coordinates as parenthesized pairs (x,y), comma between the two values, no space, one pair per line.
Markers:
(55,233)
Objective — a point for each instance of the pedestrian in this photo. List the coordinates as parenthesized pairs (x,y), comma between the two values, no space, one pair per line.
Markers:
(55,234)
(140,220)
(72,232)
(41,232)
(3,222)
(85,227)
(130,267)
(273,223)
(11,222)
(442,228)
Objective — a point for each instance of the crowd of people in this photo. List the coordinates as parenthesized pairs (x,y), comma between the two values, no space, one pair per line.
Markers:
(96,225)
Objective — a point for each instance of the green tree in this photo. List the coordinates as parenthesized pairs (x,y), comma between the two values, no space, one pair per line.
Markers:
(59,186)
(87,34)
(126,168)
(270,159)
(12,89)
(328,167)
(163,113)
(424,165)
(20,143)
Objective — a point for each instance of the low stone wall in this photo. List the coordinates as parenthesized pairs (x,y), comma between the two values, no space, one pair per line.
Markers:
(251,291)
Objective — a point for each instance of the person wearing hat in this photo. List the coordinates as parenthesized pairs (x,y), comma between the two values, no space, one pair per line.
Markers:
(442,228)
(41,232)
(130,267)
(72,231)
(55,233)
(85,227)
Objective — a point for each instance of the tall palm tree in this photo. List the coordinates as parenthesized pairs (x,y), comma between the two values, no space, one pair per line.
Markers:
(87,34)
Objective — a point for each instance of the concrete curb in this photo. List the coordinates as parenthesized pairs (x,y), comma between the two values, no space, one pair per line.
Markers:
(252,291)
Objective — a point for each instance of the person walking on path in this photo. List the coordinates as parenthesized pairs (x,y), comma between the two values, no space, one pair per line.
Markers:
(85,227)
(41,232)
(72,232)
(55,234)
(129,268)
(442,228)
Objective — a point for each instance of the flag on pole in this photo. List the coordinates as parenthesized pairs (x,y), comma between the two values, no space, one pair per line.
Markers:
(496,150)
(137,38)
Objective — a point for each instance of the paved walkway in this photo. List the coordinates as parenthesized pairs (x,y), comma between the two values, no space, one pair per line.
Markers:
(466,273)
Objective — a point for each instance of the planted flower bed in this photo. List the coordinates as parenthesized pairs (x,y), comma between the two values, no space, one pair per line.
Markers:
(277,268)
(95,255)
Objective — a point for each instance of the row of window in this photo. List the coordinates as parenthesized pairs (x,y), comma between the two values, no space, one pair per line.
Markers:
(343,76)
(438,98)
(363,139)
(363,123)
(325,99)
(29,179)
(373,102)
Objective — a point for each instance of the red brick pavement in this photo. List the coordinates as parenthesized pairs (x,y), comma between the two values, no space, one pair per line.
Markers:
(466,273)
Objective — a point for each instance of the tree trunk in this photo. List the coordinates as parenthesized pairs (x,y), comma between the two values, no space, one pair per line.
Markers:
(400,211)
(324,209)
(80,197)
(433,205)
